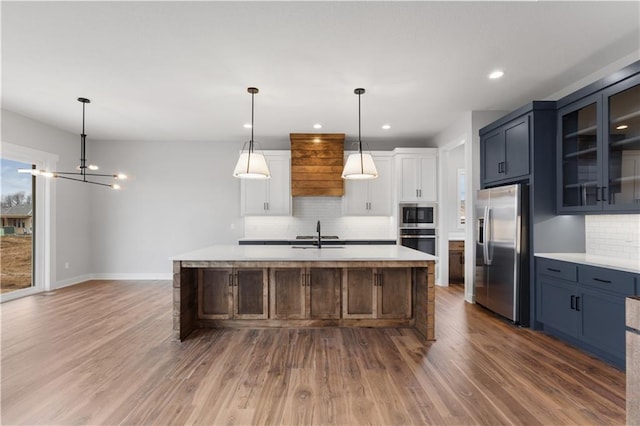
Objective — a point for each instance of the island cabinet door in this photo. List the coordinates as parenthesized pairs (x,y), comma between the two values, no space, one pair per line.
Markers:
(323,293)
(215,293)
(359,298)
(287,293)
(250,293)
(393,288)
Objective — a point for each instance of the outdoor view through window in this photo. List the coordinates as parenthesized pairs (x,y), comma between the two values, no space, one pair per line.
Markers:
(16,233)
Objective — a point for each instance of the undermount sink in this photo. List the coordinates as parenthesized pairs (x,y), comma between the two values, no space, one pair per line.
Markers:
(316,247)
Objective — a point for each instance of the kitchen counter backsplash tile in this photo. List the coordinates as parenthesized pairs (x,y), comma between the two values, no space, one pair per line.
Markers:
(308,210)
(613,235)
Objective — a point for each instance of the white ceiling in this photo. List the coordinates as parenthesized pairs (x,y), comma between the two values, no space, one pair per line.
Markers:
(179,70)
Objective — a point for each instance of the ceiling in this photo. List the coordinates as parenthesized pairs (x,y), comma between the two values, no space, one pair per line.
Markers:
(178,71)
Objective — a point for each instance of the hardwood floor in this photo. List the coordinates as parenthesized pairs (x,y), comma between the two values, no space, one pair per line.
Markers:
(101,353)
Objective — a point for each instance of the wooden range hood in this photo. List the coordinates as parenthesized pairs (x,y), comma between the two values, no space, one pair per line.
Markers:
(317,160)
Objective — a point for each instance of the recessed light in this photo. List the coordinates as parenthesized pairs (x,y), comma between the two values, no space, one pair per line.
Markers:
(246,125)
(386,127)
(496,74)
(317,126)
(622,127)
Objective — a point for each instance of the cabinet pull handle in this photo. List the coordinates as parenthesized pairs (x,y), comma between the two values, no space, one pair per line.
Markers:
(602,281)
(597,196)
(308,280)
(236,280)
(554,270)
(573,302)
(604,197)
(230,280)
(578,303)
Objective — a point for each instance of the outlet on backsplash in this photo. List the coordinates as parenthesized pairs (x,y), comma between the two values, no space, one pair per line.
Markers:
(613,236)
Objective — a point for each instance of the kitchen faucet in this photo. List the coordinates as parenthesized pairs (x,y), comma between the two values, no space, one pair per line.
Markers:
(319,235)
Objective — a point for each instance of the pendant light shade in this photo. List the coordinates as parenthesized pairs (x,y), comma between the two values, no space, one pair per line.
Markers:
(251,165)
(359,165)
(83,172)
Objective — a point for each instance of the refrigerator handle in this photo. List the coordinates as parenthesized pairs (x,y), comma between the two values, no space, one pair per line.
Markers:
(487,235)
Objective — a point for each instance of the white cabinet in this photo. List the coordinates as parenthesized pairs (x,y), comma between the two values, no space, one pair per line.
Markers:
(370,197)
(417,175)
(268,197)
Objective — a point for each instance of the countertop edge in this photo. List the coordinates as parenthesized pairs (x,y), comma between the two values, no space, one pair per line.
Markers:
(625,265)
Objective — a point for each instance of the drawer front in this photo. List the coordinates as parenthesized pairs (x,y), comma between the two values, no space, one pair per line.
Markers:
(456,245)
(608,279)
(556,268)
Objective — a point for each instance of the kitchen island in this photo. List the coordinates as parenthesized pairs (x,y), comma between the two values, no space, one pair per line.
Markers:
(303,286)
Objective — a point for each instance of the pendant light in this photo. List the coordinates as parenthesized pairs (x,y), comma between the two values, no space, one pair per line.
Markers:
(359,165)
(81,174)
(251,165)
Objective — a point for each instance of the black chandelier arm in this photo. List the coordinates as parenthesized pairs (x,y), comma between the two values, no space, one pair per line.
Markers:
(85,181)
(86,174)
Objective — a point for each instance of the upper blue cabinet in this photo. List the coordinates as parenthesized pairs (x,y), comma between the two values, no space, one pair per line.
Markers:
(598,150)
(510,146)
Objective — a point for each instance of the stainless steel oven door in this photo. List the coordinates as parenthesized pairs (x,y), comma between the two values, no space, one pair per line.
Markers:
(424,243)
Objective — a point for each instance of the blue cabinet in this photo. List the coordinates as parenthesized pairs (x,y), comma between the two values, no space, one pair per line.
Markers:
(505,151)
(598,149)
(585,306)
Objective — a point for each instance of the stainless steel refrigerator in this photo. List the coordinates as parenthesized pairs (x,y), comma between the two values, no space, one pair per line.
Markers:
(502,255)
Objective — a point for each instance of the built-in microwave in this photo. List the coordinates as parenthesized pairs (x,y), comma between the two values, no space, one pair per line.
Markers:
(417,215)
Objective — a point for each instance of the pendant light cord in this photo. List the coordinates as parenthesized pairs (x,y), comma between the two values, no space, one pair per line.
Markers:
(359,126)
(83,137)
(251,141)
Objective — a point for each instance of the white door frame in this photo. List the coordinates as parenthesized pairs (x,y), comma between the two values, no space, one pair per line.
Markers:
(44,232)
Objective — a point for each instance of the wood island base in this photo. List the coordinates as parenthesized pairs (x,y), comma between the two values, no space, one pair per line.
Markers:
(257,294)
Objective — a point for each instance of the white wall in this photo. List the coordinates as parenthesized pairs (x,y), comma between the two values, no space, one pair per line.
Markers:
(456,161)
(181,196)
(70,201)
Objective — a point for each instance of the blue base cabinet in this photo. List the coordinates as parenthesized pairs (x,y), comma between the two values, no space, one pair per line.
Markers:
(585,306)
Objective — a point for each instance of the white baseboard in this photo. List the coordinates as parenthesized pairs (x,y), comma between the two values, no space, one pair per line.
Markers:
(72,281)
(149,276)
(82,278)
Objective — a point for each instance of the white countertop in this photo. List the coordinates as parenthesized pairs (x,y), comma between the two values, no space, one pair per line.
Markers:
(289,253)
(627,265)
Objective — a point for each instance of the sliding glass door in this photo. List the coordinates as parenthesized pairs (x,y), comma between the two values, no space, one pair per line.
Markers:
(17,231)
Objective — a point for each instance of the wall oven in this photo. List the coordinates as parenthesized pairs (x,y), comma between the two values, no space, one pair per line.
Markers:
(422,239)
(417,215)
(417,226)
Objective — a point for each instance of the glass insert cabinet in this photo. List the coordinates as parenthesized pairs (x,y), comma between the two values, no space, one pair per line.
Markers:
(599,151)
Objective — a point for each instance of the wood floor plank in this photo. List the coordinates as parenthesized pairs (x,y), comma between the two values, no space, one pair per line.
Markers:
(102,353)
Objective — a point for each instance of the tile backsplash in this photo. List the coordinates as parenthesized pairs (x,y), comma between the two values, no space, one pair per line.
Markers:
(613,235)
(308,210)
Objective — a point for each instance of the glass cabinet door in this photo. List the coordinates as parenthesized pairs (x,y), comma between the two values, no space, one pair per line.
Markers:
(579,154)
(622,159)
